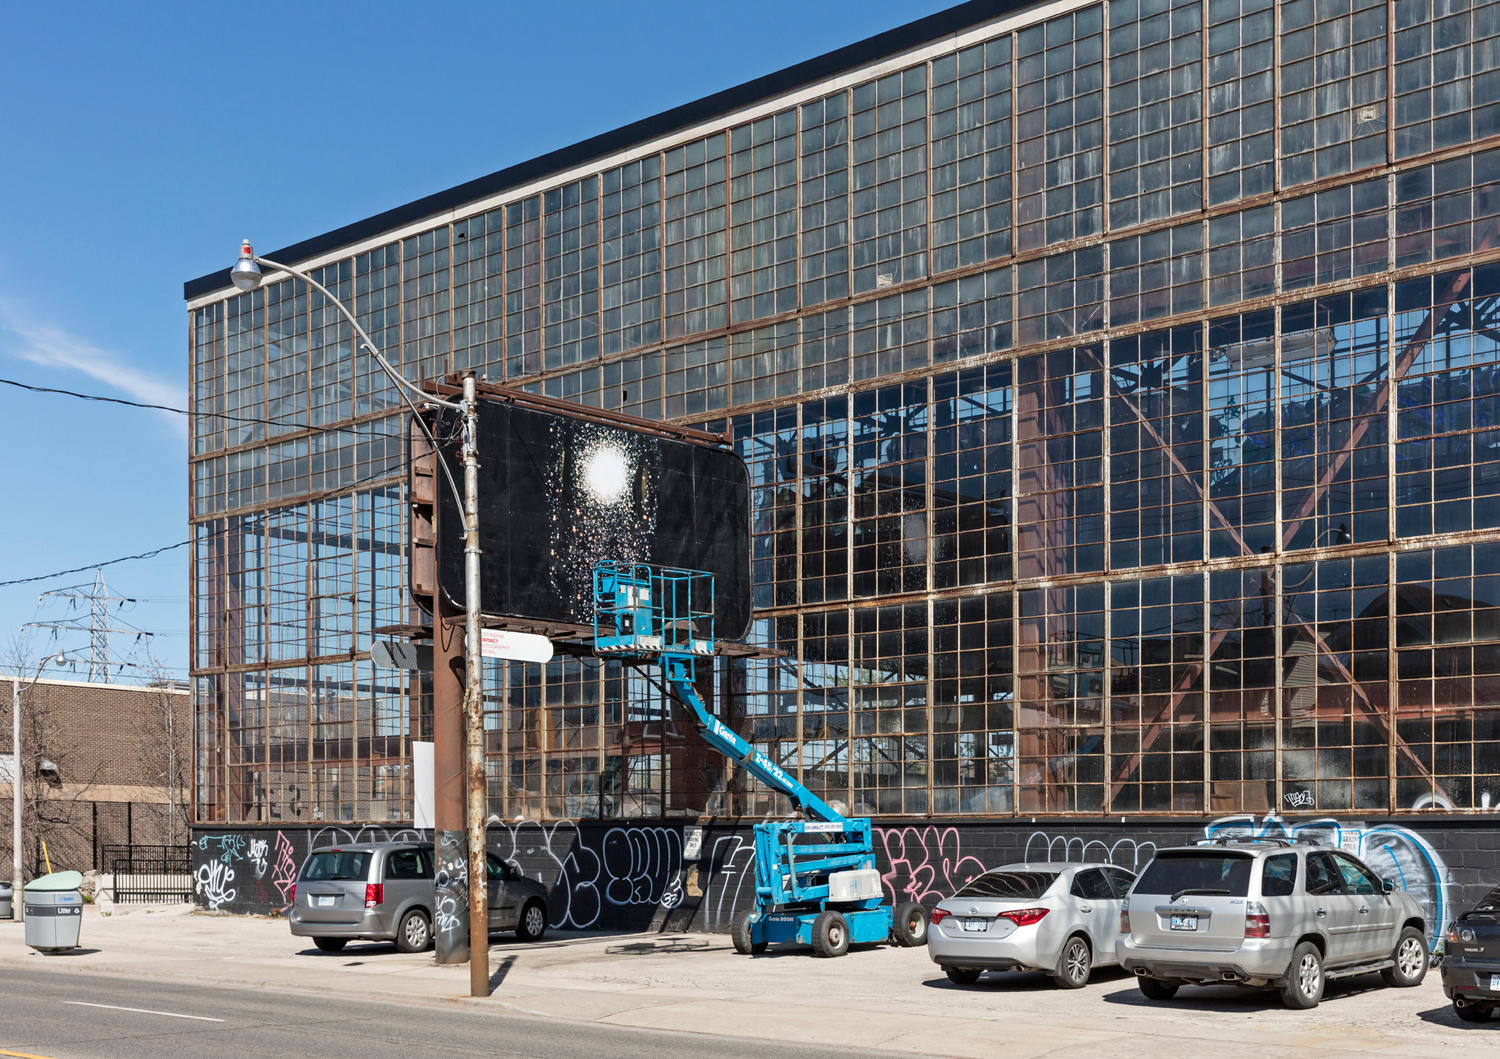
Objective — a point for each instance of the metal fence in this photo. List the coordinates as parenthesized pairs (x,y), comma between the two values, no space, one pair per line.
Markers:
(145,874)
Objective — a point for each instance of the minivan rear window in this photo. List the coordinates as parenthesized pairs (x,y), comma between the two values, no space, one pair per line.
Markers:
(1172,873)
(336,867)
(1023,884)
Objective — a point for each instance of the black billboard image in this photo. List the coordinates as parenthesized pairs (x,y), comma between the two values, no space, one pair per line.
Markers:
(558,493)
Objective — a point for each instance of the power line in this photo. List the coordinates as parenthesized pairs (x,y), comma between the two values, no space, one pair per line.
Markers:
(182,411)
(240,527)
(94,566)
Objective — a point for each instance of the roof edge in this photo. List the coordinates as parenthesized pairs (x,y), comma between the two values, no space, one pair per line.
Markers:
(819,68)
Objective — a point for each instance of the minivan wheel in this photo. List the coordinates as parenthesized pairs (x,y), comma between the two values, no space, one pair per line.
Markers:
(962,975)
(1303,986)
(533,922)
(331,944)
(909,925)
(1156,988)
(1074,964)
(1410,958)
(414,932)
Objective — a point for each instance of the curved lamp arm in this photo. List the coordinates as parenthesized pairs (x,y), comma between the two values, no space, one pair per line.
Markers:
(402,384)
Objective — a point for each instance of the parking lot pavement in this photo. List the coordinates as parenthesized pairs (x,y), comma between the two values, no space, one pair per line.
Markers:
(877,996)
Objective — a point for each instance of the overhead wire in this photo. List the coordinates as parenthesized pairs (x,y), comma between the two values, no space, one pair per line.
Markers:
(184,411)
(238,527)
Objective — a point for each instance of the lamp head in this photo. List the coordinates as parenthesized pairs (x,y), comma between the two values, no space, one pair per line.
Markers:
(246,273)
(61,659)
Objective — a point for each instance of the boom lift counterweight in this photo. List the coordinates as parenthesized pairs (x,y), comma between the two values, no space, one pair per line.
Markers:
(824,890)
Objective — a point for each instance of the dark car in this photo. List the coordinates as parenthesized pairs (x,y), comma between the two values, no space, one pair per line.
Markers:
(1471,960)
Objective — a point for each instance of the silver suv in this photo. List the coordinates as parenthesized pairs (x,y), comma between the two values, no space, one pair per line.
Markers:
(384,891)
(1267,913)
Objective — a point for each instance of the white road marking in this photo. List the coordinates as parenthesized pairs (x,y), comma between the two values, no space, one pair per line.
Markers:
(142,1011)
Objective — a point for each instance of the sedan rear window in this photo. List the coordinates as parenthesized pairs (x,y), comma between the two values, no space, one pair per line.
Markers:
(1213,873)
(1023,884)
(336,867)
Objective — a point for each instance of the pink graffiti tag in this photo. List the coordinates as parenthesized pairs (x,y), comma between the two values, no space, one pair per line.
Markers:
(925,864)
(284,872)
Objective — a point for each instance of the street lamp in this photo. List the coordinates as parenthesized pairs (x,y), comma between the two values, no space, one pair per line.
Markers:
(246,276)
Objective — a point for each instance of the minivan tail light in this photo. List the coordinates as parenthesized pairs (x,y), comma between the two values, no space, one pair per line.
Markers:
(937,915)
(374,894)
(291,896)
(1025,917)
(1125,918)
(1257,922)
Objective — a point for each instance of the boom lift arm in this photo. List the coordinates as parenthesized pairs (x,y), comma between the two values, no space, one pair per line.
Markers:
(826,893)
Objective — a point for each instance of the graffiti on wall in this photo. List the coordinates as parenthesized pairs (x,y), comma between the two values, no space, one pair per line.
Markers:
(253,871)
(1130,853)
(925,864)
(636,868)
(1394,852)
(284,871)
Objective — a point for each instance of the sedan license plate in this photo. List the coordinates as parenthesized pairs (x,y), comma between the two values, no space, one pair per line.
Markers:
(1495,983)
(1184,922)
(326,902)
(976,924)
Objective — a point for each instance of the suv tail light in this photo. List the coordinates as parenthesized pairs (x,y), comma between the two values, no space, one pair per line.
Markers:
(1257,922)
(937,915)
(1025,917)
(374,894)
(1125,918)
(291,896)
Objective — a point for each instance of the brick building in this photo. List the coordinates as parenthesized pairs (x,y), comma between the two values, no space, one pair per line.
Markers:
(100,770)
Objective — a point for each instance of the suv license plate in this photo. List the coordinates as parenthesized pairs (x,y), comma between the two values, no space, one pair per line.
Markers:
(1184,922)
(976,924)
(326,902)
(1495,983)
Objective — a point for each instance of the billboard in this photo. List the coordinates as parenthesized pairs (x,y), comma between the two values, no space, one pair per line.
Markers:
(558,493)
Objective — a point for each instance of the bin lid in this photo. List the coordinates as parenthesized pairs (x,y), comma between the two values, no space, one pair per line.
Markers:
(61,880)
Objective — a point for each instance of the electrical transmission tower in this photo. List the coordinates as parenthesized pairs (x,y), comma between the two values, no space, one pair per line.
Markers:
(97,623)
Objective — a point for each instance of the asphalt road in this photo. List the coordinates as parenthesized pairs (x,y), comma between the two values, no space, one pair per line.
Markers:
(54,1015)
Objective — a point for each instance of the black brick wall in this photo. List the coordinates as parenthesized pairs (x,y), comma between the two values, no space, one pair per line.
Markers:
(627,875)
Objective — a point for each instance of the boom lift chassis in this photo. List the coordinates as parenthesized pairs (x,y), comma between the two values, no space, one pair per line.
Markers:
(815,878)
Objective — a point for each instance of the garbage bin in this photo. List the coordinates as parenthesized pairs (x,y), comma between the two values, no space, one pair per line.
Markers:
(5,897)
(54,911)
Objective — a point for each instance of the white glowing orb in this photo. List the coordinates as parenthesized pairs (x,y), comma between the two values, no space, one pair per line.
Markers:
(606,474)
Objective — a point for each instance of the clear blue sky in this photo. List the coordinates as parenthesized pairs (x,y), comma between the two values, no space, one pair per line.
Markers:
(142,142)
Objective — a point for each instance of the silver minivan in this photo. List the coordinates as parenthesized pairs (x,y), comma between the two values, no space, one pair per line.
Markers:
(1270,913)
(384,891)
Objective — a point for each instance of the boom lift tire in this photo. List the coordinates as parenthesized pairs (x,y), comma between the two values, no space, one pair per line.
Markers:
(830,934)
(739,931)
(909,925)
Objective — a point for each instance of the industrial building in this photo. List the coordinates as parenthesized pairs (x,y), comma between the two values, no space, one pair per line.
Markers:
(1120,384)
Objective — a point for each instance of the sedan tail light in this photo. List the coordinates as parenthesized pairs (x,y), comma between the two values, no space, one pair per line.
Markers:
(374,894)
(937,915)
(1025,917)
(1257,922)
(1125,918)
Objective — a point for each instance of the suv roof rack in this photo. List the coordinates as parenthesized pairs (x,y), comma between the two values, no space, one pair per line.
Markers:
(1265,840)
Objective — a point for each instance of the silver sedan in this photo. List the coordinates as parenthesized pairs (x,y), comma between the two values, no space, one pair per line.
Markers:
(1050,916)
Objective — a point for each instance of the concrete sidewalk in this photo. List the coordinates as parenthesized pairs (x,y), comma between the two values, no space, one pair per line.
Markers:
(877,996)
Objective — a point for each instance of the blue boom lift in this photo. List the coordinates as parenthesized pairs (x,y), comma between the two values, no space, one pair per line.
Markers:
(815,879)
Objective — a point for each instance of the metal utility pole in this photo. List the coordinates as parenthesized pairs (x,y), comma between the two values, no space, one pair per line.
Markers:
(18,904)
(448,923)
(479,917)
